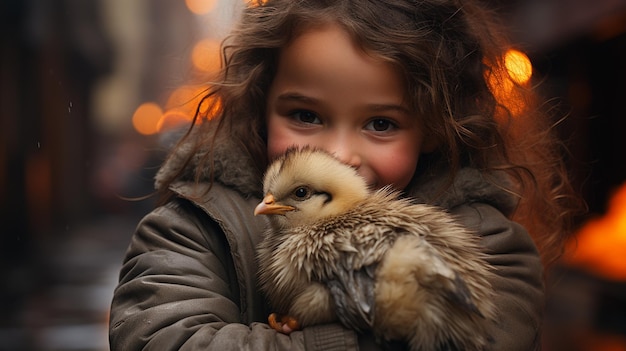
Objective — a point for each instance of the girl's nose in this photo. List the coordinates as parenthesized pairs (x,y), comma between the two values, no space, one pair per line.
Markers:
(347,152)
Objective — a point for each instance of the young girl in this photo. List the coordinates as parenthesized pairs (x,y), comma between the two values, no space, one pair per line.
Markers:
(401,90)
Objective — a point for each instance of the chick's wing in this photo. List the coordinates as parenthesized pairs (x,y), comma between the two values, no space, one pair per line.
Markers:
(353,294)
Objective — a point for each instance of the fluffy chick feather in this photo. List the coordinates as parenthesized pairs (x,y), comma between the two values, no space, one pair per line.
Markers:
(372,260)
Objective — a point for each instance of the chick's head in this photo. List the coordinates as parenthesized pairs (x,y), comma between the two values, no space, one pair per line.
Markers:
(306,185)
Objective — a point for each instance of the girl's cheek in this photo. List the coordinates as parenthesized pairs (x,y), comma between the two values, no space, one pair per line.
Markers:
(275,140)
(277,144)
(281,137)
(273,150)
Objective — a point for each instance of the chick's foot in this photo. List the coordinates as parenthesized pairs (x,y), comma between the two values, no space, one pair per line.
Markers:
(283,324)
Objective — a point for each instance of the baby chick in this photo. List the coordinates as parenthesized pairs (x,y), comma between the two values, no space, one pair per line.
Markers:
(372,260)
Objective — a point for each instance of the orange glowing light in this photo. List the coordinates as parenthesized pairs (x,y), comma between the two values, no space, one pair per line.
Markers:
(172,119)
(146,118)
(256,3)
(185,99)
(210,107)
(502,81)
(201,7)
(518,66)
(205,56)
(600,245)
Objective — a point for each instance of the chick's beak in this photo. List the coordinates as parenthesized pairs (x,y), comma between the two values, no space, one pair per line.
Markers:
(269,207)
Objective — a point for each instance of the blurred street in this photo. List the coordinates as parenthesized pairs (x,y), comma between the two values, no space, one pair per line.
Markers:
(68,310)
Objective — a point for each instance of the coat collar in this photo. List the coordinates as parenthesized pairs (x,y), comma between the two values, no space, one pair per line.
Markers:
(230,164)
(435,187)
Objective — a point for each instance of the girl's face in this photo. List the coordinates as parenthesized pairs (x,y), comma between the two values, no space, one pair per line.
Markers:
(329,94)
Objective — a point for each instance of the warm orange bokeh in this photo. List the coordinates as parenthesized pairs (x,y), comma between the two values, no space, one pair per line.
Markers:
(183,102)
(205,56)
(172,119)
(256,2)
(186,99)
(518,66)
(600,245)
(201,7)
(180,109)
(517,70)
(146,117)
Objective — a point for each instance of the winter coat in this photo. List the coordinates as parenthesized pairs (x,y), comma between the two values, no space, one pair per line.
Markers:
(188,281)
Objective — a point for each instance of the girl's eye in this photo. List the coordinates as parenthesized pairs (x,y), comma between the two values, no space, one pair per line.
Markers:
(302,193)
(380,125)
(305,116)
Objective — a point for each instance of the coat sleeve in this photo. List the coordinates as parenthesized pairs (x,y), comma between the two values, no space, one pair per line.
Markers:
(178,291)
(518,281)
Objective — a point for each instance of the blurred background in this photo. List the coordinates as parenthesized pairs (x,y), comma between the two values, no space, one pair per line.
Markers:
(89,87)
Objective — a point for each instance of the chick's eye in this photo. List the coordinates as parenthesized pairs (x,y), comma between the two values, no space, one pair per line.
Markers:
(302,193)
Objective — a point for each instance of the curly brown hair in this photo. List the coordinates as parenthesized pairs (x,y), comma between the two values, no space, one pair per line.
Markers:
(448,52)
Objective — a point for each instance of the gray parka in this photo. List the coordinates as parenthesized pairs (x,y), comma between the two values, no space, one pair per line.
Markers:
(188,281)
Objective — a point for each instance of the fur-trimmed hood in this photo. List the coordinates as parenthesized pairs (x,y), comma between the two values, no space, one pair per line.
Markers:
(233,167)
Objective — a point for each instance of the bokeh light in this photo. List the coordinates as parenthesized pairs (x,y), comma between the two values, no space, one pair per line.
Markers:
(172,119)
(205,56)
(201,7)
(181,107)
(502,81)
(186,99)
(518,66)
(146,118)
(256,2)
(600,245)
